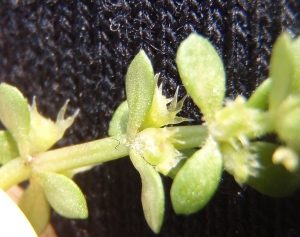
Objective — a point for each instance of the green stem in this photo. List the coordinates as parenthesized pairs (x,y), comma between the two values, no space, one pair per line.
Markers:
(189,136)
(81,155)
(14,172)
(90,153)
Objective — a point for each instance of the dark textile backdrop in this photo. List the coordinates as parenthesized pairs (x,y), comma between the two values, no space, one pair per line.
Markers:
(80,50)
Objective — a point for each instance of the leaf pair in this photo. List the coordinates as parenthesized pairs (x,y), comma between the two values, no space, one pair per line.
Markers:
(30,133)
(203,76)
(151,149)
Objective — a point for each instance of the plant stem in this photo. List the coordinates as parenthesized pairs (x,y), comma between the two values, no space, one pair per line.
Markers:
(189,136)
(14,172)
(81,155)
(90,153)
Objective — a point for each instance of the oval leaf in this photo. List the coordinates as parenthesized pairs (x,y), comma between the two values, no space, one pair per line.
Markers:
(63,194)
(272,179)
(35,206)
(118,123)
(202,73)
(153,199)
(140,86)
(281,70)
(15,116)
(197,181)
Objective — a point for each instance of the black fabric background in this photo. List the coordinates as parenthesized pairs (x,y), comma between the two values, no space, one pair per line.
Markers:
(80,50)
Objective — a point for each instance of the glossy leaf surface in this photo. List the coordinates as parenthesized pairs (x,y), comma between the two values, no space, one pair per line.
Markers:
(202,73)
(153,199)
(63,194)
(118,123)
(140,86)
(15,116)
(197,181)
(8,147)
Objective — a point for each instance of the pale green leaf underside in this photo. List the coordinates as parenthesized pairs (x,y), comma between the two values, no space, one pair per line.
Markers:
(281,71)
(153,199)
(197,181)
(8,147)
(140,86)
(14,114)
(118,123)
(202,73)
(63,194)
(35,206)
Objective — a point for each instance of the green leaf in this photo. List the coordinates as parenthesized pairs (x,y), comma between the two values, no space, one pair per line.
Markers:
(272,179)
(118,123)
(8,147)
(202,73)
(63,194)
(281,70)
(140,86)
(153,199)
(187,153)
(196,182)
(14,114)
(287,123)
(296,63)
(260,97)
(35,206)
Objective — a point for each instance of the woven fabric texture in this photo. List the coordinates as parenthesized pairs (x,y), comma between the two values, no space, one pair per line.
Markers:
(80,50)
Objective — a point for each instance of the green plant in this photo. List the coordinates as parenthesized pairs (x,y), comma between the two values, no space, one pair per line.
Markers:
(231,138)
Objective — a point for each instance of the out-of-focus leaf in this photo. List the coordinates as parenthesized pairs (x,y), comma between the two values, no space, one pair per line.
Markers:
(296,62)
(272,179)
(118,123)
(260,98)
(14,114)
(196,182)
(287,123)
(8,147)
(281,71)
(202,73)
(63,194)
(35,206)
(153,199)
(140,86)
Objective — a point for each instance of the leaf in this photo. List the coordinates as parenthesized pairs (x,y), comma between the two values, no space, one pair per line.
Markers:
(153,199)
(14,114)
(187,153)
(281,71)
(287,121)
(35,206)
(8,147)
(118,123)
(197,181)
(296,62)
(260,97)
(202,73)
(63,194)
(140,86)
(272,179)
